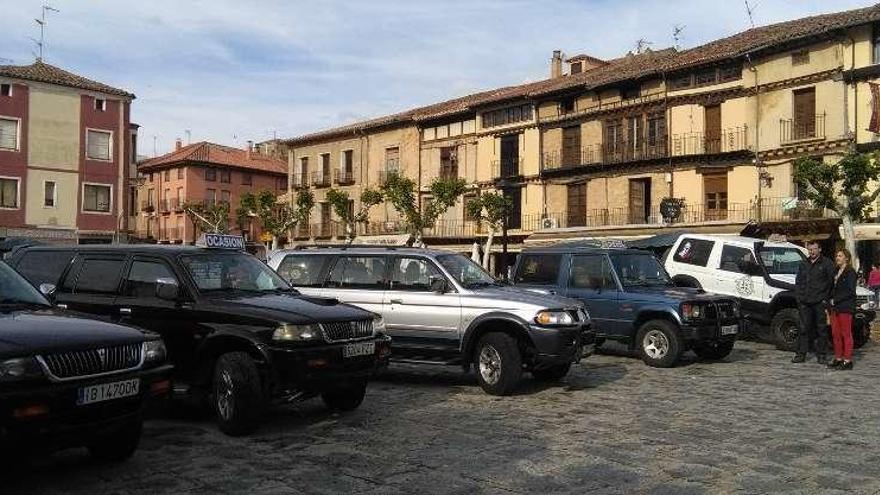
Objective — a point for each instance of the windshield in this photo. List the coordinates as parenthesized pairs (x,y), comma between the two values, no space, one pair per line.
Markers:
(781,260)
(232,272)
(637,270)
(14,290)
(465,271)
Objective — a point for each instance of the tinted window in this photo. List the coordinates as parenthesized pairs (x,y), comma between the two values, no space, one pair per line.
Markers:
(412,274)
(14,290)
(303,271)
(228,272)
(42,267)
(98,276)
(732,258)
(636,270)
(591,272)
(538,269)
(358,273)
(142,277)
(693,252)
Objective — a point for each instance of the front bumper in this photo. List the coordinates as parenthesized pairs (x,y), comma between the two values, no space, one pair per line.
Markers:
(66,424)
(711,330)
(560,345)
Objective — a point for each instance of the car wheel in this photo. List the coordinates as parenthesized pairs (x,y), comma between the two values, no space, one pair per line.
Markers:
(861,331)
(659,344)
(237,397)
(785,326)
(120,445)
(347,397)
(499,364)
(552,373)
(713,350)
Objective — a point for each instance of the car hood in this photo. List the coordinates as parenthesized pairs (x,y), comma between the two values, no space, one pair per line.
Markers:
(671,294)
(289,308)
(25,333)
(506,297)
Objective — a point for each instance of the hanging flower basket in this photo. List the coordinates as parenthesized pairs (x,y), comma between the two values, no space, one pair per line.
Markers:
(671,208)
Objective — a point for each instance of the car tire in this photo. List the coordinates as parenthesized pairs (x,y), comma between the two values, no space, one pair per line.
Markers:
(784,328)
(237,396)
(861,332)
(713,350)
(659,344)
(499,363)
(120,445)
(345,398)
(551,373)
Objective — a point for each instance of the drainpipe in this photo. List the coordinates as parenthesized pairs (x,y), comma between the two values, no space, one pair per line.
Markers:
(757,158)
(852,66)
(668,117)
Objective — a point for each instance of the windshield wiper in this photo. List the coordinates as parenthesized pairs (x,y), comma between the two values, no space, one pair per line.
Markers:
(482,283)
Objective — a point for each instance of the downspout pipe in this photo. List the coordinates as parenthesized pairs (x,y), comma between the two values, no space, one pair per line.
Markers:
(757,157)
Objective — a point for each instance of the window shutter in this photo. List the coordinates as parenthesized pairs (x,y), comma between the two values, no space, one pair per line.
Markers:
(99,145)
(8,134)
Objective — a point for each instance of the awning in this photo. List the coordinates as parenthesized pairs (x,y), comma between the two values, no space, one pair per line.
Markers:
(864,231)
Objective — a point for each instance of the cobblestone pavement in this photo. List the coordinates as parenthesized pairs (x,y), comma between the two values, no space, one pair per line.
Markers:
(753,423)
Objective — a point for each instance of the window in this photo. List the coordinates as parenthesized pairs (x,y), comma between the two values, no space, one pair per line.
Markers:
(468,199)
(733,258)
(591,272)
(5,90)
(247,179)
(693,251)
(567,105)
(304,271)
(358,273)
(143,276)
(448,163)
(876,43)
(44,267)
(167,175)
(211,196)
(348,164)
(132,200)
(151,176)
(224,196)
(49,195)
(538,269)
(504,116)
(630,92)
(180,173)
(412,274)
(800,57)
(577,67)
(96,198)
(392,159)
(656,130)
(97,276)
(640,270)
(709,76)
(98,144)
(730,73)
(225,176)
(8,193)
(211,174)
(179,195)
(100,104)
(8,134)
(681,82)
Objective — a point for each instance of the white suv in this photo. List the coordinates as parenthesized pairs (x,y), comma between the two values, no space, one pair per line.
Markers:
(729,265)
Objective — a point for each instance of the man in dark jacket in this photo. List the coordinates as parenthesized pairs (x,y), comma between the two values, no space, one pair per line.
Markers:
(814,281)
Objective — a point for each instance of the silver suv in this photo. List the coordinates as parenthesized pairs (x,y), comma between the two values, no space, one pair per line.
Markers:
(442,308)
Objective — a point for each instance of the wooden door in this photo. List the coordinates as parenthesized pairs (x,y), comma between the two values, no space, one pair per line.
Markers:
(804,125)
(715,191)
(712,131)
(325,220)
(571,146)
(639,200)
(510,156)
(514,220)
(577,205)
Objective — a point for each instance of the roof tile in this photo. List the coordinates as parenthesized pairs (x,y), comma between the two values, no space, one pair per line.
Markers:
(42,72)
(216,154)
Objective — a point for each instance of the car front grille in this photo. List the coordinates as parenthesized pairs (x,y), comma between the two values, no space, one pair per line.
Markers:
(348,330)
(726,310)
(76,364)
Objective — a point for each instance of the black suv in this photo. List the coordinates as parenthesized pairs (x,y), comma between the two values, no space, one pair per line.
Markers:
(236,333)
(67,381)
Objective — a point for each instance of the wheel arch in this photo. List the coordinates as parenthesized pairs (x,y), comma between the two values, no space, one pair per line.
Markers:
(215,346)
(649,315)
(492,322)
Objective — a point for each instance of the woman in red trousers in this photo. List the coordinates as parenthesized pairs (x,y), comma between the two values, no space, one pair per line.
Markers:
(840,314)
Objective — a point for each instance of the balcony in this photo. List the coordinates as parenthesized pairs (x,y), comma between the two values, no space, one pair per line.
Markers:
(327,230)
(164,206)
(699,143)
(344,178)
(320,179)
(177,204)
(148,206)
(507,168)
(792,131)
(171,235)
(385,174)
(300,180)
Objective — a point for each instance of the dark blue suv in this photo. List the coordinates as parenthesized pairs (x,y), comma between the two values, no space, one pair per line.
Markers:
(632,300)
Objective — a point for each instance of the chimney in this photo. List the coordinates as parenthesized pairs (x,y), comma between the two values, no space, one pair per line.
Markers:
(250,148)
(178,143)
(556,64)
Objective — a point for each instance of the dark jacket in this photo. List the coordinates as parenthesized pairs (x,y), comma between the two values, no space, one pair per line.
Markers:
(843,293)
(814,281)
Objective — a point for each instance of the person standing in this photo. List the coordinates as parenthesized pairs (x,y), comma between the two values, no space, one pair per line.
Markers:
(874,282)
(840,313)
(813,290)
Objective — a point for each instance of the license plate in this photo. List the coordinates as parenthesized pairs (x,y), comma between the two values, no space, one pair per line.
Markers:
(729,329)
(359,349)
(108,391)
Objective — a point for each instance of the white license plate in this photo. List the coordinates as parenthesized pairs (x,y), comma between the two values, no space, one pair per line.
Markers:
(108,391)
(359,349)
(729,329)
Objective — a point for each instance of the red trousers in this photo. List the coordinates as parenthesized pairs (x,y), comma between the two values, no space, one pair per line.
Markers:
(841,333)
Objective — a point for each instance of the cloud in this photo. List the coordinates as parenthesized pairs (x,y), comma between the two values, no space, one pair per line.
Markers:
(230,71)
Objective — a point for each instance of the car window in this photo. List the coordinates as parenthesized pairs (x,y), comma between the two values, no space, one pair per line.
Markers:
(42,267)
(412,274)
(639,270)
(693,251)
(303,270)
(98,276)
(538,269)
(216,272)
(734,257)
(353,272)
(142,277)
(591,272)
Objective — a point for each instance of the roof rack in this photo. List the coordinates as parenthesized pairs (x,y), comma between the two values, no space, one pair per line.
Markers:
(302,247)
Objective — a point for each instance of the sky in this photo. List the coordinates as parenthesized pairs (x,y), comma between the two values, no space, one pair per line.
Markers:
(232,71)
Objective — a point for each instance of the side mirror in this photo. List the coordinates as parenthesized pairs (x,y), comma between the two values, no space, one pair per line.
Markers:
(438,284)
(48,290)
(167,289)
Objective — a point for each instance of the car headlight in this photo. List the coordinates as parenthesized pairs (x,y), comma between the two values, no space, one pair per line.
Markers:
(691,311)
(17,369)
(154,352)
(552,318)
(378,325)
(288,332)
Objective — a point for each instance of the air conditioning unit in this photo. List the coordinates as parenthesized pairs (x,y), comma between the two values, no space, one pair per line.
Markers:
(549,223)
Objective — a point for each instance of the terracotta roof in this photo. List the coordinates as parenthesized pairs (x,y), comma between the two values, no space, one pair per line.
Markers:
(43,72)
(584,56)
(216,154)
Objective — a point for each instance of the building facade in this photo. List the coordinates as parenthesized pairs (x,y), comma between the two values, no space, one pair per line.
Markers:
(66,144)
(205,173)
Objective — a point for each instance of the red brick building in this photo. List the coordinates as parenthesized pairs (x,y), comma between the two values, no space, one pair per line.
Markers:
(202,172)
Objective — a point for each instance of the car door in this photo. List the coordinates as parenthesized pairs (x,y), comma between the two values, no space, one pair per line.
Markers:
(305,272)
(732,279)
(591,279)
(358,280)
(415,314)
(91,285)
(690,258)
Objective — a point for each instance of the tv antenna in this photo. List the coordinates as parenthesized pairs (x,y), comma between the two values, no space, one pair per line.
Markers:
(676,35)
(42,22)
(188,136)
(750,10)
(642,45)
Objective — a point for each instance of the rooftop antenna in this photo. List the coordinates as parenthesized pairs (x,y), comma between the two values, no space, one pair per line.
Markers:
(750,10)
(676,35)
(154,144)
(642,45)
(42,22)
(188,136)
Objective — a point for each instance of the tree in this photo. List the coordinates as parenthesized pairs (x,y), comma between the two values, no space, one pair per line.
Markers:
(490,208)
(401,192)
(212,217)
(848,188)
(277,218)
(341,204)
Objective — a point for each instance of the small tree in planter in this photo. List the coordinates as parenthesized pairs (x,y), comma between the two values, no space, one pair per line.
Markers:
(340,202)
(400,191)
(277,218)
(208,217)
(490,208)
